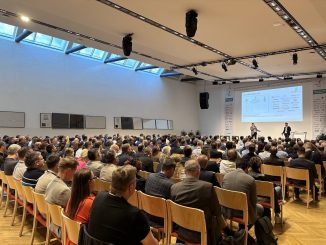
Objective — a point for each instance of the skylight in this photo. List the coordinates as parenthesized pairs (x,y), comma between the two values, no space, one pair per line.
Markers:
(7,30)
(90,52)
(46,41)
(156,71)
(130,63)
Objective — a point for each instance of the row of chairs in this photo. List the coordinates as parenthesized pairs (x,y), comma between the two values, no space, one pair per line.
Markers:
(43,213)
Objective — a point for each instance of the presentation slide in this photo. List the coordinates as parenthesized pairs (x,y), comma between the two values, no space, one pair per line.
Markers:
(272,105)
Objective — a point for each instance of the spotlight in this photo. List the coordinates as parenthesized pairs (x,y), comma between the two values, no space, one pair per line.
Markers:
(191,23)
(194,70)
(223,82)
(236,81)
(255,63)
(319,76)
(224,67)
(25,18)
(231,62)
(215,83)
(127,44)
(261,79)
(295,58)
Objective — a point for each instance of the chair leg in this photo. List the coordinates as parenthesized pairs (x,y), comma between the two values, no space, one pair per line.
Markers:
(7,204)
(47,239)
(281,209)
(246,235)
(33,229)
(15,210)
(2,194)
(23,221)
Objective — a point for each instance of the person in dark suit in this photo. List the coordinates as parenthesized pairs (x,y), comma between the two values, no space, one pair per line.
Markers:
(286,131)
(273,160)
(206,175)
(187,154)
(301,162)
(147,161)
(125,155)
(195,193)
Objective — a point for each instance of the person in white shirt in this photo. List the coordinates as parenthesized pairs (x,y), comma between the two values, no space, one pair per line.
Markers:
(20,167)
(197,150)
(266,153)
(229,165)
(281,153)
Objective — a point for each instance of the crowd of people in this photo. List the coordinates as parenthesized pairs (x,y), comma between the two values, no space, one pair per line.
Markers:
(63,169)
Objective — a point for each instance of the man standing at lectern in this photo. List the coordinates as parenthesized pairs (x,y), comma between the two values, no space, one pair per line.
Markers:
(286,131)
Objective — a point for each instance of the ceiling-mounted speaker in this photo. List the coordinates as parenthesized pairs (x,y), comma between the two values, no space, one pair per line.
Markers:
(203,100)
(127,44)
(191,23)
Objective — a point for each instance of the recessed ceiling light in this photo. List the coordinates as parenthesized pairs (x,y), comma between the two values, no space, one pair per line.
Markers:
(141,17)
(77,34)
(305,36)
(277,24)
(176,33)
(192,40)
(277,9)
(163,27)
(25,18)
(285,17)
(116,6)
(92,38)
(296,27)
(181,35)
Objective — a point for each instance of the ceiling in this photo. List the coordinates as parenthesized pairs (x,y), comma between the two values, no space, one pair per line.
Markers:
(239,29)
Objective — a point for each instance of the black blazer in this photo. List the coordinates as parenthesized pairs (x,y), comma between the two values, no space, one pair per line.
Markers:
(288,131)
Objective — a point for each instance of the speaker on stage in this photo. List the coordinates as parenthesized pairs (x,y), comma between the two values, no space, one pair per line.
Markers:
(203,100)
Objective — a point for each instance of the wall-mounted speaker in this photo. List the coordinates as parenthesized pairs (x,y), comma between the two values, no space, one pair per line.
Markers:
(203,100)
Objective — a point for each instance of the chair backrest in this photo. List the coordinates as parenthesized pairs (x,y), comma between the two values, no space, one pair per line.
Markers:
(155,165)
(28,194)
(144,174)
(272,170)
(3,177)
(234,200)
(133,200)
(298,174)
(324,164)
(189,218)
(153,205)
(318,168)
(40,203)
(219,178)
(175,180)
(266,189)
(11,182)
(19,188)
(55,214)
(71,228)
(101,185)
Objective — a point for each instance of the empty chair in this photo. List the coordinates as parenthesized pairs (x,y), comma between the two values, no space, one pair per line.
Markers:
(155,206)
(299,174)
(70,228)
(237,201)
(277,171)
(189,218)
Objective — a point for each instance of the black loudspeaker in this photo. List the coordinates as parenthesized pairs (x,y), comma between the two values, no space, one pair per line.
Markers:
(203,100)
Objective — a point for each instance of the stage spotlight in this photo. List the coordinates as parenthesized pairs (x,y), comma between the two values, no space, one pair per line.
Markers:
(255,63)
(127,44)
(194,70)
(223,82)
(261,79)
(224,67)
(215,83)
(319,76)
(191,23)
(231,62)
(295,58)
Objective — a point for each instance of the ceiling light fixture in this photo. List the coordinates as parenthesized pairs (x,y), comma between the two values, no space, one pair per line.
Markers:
(255,63)
(127,44)
(261,79)
(194,70)
(25,18)
(295,58)
(191,23)
(319,76)
(231,62)
(224,67)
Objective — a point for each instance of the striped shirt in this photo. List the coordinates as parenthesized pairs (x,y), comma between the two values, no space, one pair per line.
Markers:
(31,176)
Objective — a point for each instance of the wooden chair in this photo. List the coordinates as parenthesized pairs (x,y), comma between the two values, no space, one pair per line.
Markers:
(320,178)
(28,204)
(219,178)
(143,174)
(175,180)
(237,201)
(12,185)
(277,171)
(71,228)
(54,217)
(101,185)
(133,200)
(10,196)
(186,217)
(299,174)
(155,165)
(266,189)
(3,186)
(155,206)
(40,215)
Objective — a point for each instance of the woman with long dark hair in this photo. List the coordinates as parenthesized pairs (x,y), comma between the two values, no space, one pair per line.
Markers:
(81,199)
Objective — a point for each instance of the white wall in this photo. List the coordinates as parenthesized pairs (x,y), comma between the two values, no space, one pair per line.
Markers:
(212,120)
(35,80)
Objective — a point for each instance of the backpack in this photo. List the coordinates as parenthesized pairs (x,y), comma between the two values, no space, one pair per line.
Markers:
(264,232)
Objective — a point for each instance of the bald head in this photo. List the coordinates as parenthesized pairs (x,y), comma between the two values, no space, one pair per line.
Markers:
(202,160)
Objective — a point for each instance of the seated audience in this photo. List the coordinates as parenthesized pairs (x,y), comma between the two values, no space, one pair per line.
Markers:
(250,154)
(125,155)
(35,168)
(159,184)
(197,150)
(140,181)
(2,154)
(58,191)
(156,154)
(79,205)
(266,153)
(187,154)
(50,174)
(110,164)
(69,152)
(94,162)
(113,219)
(146,160)
(20,167)
(83,159)
(229,165)
(11,160)
(281,153)
(206,175)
